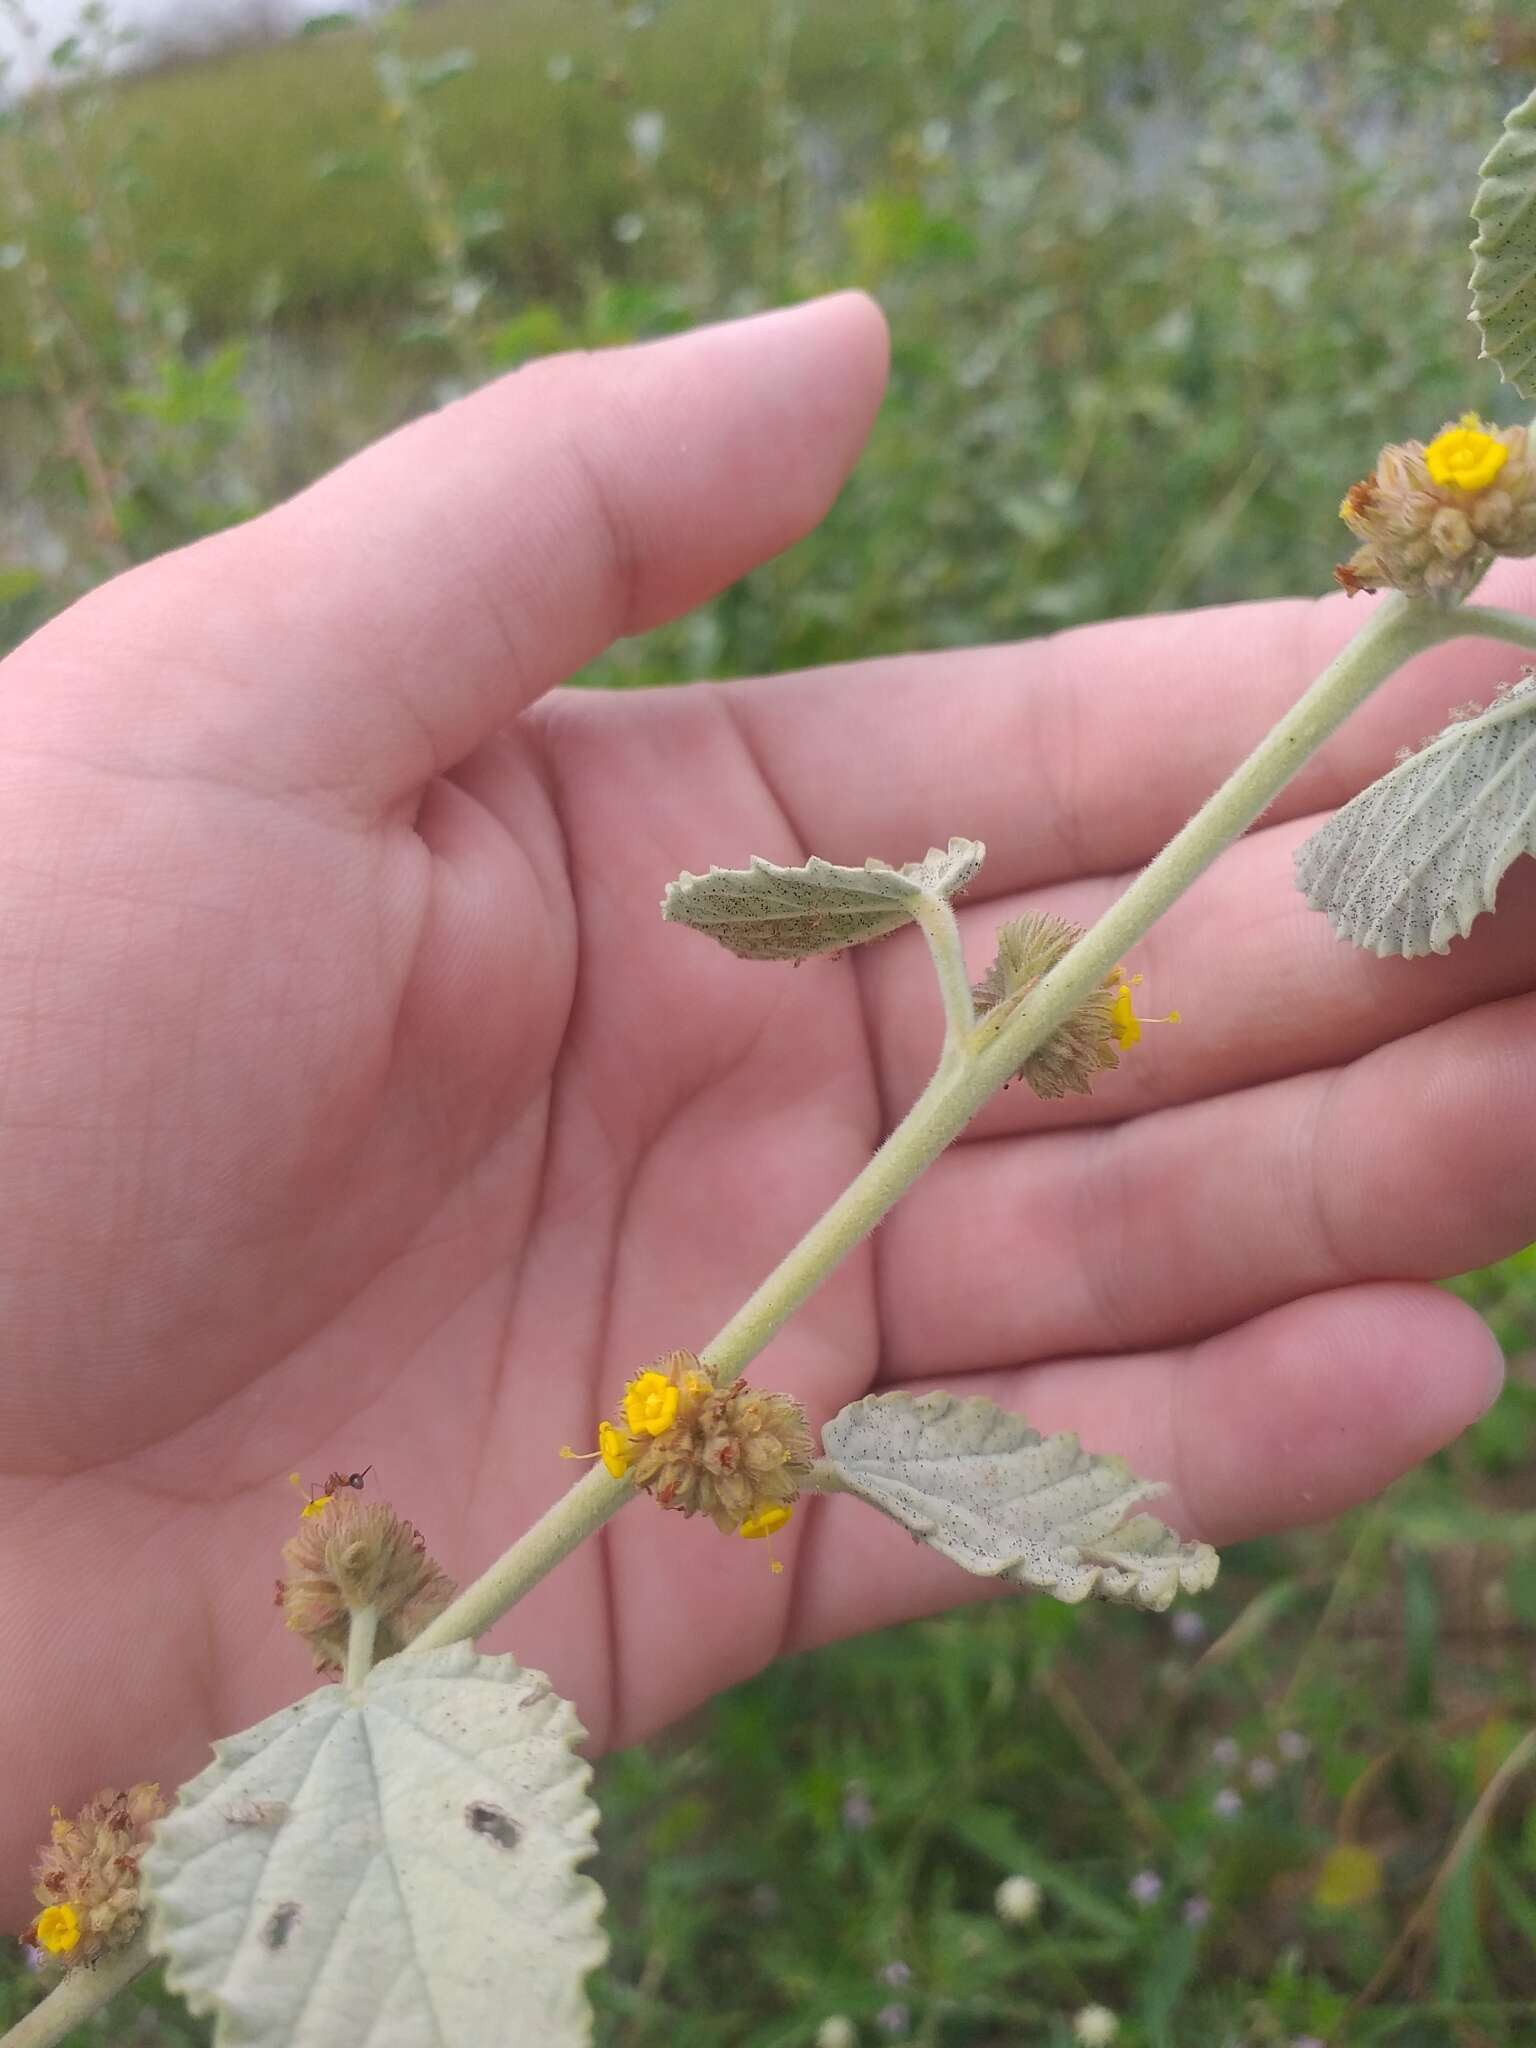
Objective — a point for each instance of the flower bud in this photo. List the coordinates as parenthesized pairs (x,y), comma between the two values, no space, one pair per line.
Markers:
(359,1554)
(87,1878)
(1086,1043)
(1431,519)
(734,1453)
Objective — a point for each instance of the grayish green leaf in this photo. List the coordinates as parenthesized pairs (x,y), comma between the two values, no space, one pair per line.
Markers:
(984,1489)
(395,1865)
(765,912)
(1504,253)
(1408,864)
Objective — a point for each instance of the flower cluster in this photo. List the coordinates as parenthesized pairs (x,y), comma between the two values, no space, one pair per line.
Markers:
(87,1878)
(734,1453)
(1087,1043)
(358,1554)
(1431,519)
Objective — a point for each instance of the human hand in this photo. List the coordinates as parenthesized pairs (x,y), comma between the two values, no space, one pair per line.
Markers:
(357,1107)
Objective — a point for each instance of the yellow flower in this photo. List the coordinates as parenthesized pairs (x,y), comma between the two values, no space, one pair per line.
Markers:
(1126,1023)
(612,1449)
(1467,455)
(766,1522)
(650,1404)
(58,1929)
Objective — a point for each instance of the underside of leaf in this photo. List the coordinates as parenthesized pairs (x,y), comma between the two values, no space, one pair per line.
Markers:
(395,1866)
(985,1490)
(1504,253)
(766,912)
(1408,864)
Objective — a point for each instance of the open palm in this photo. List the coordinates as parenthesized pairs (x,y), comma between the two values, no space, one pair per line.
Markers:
(356,1107)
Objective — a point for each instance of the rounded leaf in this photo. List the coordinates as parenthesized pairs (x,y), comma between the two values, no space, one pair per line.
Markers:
(765,912)
(1504,253)
(985,1490)
(1408,864)
(395,1865)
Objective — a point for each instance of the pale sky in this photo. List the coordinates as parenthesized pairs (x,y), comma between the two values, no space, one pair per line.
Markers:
(56,19)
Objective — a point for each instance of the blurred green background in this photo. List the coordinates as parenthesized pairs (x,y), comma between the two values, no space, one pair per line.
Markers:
(1162,277)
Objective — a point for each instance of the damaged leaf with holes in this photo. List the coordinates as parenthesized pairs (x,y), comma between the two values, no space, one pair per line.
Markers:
(1416,858)
(767,912)
(392,1864)
(985,1490)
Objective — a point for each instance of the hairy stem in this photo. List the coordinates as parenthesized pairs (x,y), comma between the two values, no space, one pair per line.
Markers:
(362,1632)
(76,1996)
(1491,622)
(1400,628)
(936,916)
(575,1516)
(989,1053)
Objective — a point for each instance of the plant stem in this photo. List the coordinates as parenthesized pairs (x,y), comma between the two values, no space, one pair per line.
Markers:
(575,1516)
(987,1055)
(936,916)
(1400,628)
(76,1996)
(1491,622)
(362,1631)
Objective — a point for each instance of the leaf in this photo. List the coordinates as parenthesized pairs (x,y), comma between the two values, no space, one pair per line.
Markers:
(1504,252)
(985,1490)
(395,1865)
(1408,864)
(765,912)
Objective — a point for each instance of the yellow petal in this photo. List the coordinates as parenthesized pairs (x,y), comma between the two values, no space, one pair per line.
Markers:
(766,1522)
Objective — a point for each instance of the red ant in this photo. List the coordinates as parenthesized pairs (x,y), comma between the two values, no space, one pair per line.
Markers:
(334,1482)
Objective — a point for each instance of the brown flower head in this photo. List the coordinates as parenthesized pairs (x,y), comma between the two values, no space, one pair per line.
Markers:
(703,1449)
(1085,1044)
(355,1554)
(87,1878)
(1430,519)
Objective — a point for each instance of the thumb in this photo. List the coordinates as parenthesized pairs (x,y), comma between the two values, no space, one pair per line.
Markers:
(373,630)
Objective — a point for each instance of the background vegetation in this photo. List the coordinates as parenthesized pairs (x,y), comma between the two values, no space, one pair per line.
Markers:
(1162,278)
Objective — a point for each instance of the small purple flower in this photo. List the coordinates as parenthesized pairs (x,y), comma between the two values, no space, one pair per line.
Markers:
(1227,1803)
(1308,2041)
(1262,1773)
(1187,1627)
(1292,1745)
(898,1975)
(1196,1910)
(1146,1887)
(895,2020)
(1226,1753)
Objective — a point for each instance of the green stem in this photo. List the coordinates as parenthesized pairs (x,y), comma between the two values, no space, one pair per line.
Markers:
(362,1632)
(1400,628)
(576,1515)
(76,1996)
(936,916)
(988,1054)
(1491,622)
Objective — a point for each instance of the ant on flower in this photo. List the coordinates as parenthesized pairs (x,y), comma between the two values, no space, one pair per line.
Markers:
(335,1481)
